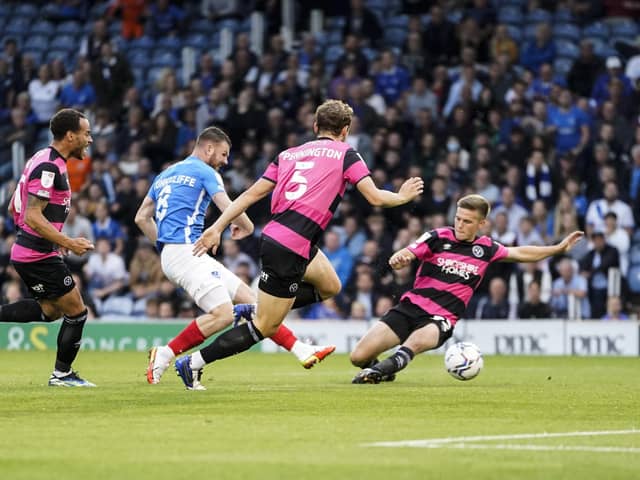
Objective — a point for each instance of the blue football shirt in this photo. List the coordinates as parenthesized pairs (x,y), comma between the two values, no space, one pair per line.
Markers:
(182,193)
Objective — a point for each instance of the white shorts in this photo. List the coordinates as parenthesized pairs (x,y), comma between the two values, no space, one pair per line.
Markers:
(205,279)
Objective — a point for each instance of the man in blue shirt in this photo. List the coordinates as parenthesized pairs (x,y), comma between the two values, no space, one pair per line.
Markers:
(172,216)
(570,125)
(79,93)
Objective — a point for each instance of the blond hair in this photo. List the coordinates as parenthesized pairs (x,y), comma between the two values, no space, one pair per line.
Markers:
(332,116)
(475,202)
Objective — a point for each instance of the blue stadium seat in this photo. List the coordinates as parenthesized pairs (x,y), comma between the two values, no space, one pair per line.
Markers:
(25,10)
(37,42)
(515,33)
(567,49)
(567,31)
(563,16)
(245,25)
(510,15)
(199,41)
(399,21)
(370,53)
(333,53)
(633,278)
(143,42)
(229,24)
(377,4)
(42,27)
(164,58)
(119,305)
(634,254)
(69,28)
(17,26)
(335,23)
(5,10)
(530,31)
(625,28)
(153,74)
(395,37)
(62,55)
(334,37)
(605,50)
(169,43)
(596,29)
(562,65)
(64,42)
(43,139)
(202,25)
(139,58)
(538,16)
(115,28)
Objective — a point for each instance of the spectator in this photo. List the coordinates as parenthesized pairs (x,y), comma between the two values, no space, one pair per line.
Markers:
(44,92)
(527,234)
(106,227)
(619,238)
(609,203)
(233,257)
(76,226)
(508,205)
(362,22)
(145,274)
(534,307)
(540,50)
(595,266)
(354,236)
(17,130)
(467,83)
(132,13)
(569,286)
(569,124)
(91,45)
(78,94)
(161,142)
(111,77)
(538,179)
(105,272)
(353,54)
(165,19)
(339,256)
(439,39)
(584,71)
(600,91)
(614,309)
(502,44)
(496,306)
(392,79)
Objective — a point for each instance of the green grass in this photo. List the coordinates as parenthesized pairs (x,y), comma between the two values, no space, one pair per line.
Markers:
(265,417)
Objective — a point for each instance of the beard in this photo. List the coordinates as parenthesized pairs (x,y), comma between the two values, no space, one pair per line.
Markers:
(77,153)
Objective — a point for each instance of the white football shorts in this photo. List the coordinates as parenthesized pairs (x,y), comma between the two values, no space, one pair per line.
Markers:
(205,279)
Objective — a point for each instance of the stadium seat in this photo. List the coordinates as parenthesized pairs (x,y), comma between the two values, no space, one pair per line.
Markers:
(334,37)
(37,42)
(515,33)
(510,15)
(153,74)
(36,55)
(69,28)
(98,10)
(143,42)
(596,29)
(625,28)
(172,44)
(5,10)
(164,58)
(245,25)
(229,24)
(605,50)
(42,27)
(567,49)
(333,53)
(199,41)
(115,28)
(370,53)
(335,23)
(633,277)
(395,37)
(562,65)
(634,254)
(17,26)
(530,31)
(399,21)
(42,139)
(25,10)
(563,16)
(118,305)
(567,31)
(64,42)
(202,25)
(538,16)
(138,58)
(62,55)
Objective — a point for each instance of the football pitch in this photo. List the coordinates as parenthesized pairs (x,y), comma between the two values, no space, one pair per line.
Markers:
(265,417)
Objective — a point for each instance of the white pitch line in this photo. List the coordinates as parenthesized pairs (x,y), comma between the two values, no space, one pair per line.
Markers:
(543,448)
(435,442)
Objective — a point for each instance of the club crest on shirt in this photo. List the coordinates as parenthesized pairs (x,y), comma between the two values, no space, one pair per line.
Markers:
(46,179)
(446,246)
(477,251)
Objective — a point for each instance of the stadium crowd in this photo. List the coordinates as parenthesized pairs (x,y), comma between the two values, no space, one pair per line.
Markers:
(534,105)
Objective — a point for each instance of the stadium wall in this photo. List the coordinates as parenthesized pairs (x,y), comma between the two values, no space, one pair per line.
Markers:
(494,337)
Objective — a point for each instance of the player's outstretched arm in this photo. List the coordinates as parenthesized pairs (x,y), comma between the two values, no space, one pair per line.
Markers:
(145,219)
(409,190)
(242,226)
(401,259)
(533,253)
(210,239)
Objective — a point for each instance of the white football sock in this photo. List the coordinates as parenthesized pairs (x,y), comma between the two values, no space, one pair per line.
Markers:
(197,362)
(302,350)
(59,374)
(164,354)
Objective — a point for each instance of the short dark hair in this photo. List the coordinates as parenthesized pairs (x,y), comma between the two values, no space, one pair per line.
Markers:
(332,116)
(213,134)
(66,120)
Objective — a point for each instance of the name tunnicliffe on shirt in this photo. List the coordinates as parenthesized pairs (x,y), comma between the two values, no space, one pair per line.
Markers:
(181,179)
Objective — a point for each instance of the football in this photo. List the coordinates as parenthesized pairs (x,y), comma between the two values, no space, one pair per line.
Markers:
(463,360)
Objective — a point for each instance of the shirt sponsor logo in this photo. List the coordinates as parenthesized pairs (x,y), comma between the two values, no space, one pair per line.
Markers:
(264,276)
(456,267)
(46,179)
(44,193)
(38,288)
